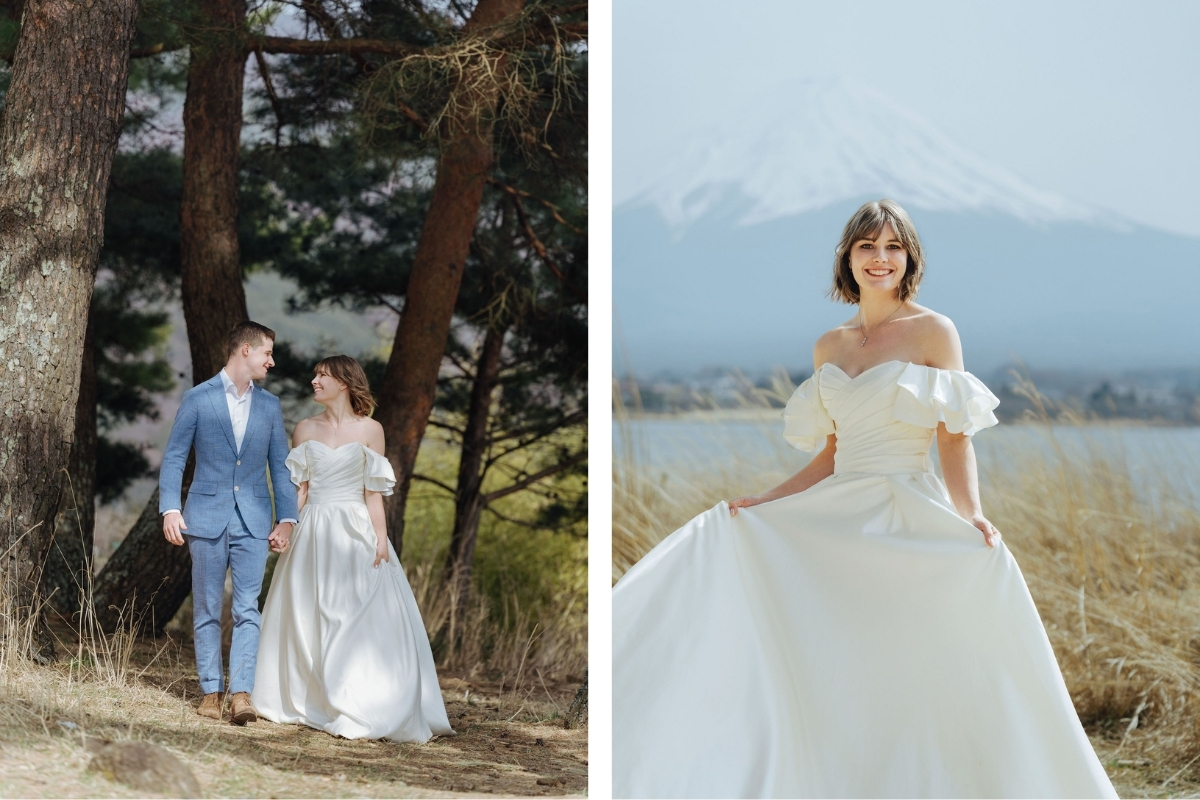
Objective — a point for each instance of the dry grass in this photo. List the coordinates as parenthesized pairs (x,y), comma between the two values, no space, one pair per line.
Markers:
(510,738)
(507,685)
(1114,570)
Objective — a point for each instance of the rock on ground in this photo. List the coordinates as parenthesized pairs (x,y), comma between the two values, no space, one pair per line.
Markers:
(144,766)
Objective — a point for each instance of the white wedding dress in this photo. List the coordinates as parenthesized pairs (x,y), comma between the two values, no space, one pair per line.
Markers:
(858,639)
(342,646)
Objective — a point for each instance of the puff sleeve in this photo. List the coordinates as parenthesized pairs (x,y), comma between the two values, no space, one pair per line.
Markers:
(928,396)
(297,463)
(806,423)
(378,476)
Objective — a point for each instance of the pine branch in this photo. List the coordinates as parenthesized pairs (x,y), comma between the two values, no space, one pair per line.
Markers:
(535,477)
(524,523)
(541,248)
(561,422)
(555,211)
(265,74)
(435,482)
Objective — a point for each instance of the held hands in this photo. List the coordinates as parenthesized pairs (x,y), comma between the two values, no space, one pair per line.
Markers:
(990,534)
(745,502)
(381,550)
(279,537)
(172,525)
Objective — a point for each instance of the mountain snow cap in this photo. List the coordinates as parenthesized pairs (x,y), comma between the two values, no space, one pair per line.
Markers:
(832,141)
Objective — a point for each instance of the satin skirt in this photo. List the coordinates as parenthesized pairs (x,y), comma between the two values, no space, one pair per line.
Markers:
(343,648)
(858,639)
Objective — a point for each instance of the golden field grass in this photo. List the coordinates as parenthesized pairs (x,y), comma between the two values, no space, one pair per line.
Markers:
(1114,570)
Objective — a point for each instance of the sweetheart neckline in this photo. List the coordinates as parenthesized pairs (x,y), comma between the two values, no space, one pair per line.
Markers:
(335,449)
(877,366)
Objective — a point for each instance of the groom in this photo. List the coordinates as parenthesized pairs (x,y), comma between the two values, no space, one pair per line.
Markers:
(237,431)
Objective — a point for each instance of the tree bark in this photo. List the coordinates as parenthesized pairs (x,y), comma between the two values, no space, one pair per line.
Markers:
(69,563)
(214,298)
(469,501)
(577,714)
(410,381)
(60,128)
(147,579)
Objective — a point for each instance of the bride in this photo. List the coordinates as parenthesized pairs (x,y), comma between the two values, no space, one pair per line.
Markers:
(860,630)
(343,647)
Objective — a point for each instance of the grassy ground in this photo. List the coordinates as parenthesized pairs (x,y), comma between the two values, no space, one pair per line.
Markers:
(510,741)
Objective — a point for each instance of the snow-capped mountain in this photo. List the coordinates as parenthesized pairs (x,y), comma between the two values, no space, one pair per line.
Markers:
(723,250)
(831,141)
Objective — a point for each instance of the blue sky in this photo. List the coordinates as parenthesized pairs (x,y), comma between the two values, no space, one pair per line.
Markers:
(1098,101)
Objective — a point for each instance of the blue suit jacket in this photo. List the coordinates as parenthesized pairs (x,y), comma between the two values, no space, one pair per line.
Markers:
(226,479)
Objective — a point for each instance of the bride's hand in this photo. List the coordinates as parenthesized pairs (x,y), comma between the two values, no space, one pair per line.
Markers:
(990,534)
(745,502)
(381,550)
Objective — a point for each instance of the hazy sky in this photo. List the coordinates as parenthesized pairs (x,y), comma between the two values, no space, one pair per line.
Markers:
(1098,101)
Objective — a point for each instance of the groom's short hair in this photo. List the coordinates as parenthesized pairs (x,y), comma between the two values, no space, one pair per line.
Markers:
(250,333)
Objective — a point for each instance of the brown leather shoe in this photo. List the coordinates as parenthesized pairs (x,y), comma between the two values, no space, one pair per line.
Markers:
(210,706)
(240,709)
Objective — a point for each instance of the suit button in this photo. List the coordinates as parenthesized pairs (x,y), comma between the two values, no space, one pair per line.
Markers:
(235,488)
(239,463)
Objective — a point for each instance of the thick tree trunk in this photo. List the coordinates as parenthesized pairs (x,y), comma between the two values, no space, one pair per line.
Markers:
(69,563)
(61,122)
(469,501)
(410,381)
(147,579)
(214,299)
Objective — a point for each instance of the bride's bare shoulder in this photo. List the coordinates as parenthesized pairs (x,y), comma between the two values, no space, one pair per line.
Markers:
(938,338)
(374,434)
(305,429)
(828,345)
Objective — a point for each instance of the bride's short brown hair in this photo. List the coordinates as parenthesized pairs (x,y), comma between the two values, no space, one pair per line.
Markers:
(350,372)
(866,224)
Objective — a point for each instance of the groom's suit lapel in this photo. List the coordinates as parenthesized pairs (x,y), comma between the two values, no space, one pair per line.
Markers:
(216,395)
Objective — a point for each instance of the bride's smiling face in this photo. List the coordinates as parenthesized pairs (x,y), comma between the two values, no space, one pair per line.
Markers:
(878,264)
(326,387)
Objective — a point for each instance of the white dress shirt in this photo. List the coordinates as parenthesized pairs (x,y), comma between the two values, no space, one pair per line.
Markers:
(239,407)
(239,415)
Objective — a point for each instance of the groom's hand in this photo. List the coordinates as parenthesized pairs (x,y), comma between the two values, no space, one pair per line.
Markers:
(279,536)
(172,525)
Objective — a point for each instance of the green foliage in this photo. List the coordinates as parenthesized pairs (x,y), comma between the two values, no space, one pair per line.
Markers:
(131,367)
(518,568)
(530,569)
(139,269)
(118,464)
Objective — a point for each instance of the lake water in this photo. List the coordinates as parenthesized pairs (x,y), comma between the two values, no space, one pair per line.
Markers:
(701,442)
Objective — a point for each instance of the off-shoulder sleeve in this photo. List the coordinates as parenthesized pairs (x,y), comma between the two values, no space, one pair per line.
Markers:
(297,463)
(379,476)
(928,396)
(806,423)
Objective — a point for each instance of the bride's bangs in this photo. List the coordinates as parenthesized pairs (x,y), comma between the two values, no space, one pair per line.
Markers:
(866,224)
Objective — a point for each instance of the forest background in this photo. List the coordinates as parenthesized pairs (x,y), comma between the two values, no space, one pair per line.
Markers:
(414,168)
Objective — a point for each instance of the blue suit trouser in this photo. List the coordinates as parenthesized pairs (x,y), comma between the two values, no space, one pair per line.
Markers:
(246,557)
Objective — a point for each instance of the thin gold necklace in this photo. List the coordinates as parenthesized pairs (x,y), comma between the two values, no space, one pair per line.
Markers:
(862,327)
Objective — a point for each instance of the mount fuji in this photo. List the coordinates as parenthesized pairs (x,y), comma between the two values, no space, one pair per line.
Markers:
(723,250)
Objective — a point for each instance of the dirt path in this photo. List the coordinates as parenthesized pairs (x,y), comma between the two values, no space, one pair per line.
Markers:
(508,743)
